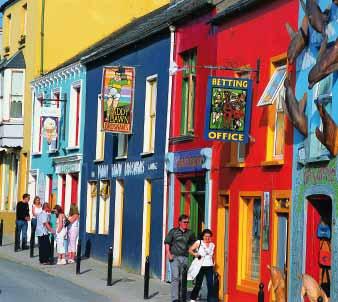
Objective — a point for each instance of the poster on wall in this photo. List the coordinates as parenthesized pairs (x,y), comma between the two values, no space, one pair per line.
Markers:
(118,98)
(228,109)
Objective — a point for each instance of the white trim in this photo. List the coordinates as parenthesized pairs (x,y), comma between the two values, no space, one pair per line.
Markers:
(118,222)
(72,113)
(68,195)
(59,191)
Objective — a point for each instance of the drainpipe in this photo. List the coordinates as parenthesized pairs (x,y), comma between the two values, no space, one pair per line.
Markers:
(165,176)
(42,37)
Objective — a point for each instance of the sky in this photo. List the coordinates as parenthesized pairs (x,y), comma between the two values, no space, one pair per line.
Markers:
(1,2)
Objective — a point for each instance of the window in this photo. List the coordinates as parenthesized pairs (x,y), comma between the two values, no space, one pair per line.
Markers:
(250,230)
(150,115)
(188,92)
(91,207)
(100,135)
(104,207)
(273,97)
(37,137)
(16,96)
(122,145)
(74,117)
(322,94)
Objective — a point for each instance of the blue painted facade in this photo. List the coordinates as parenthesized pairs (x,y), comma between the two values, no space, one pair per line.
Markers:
(61,159)
(150,57)
(314,169)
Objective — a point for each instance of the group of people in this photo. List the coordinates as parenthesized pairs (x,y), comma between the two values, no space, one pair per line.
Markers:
(46,223)
(179,243)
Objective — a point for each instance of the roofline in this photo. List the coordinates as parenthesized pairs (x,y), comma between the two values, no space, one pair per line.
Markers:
(235,8)
(7,4)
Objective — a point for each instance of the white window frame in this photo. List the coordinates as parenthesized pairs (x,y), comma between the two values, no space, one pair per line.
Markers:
(150,104)
(104,210)
(100,134)
(91,208)
(72,113)
(23,94)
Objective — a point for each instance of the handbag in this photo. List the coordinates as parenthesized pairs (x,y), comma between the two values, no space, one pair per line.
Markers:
(195,267)
(323,231)
(325,255)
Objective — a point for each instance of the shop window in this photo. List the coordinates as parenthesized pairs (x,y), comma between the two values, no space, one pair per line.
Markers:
(74,116)
(16,96)
(100,135)
(122,145)
(322,94)
(91,207)
(150,115)
(273,96)
(250,231)
(104,207)
(188,92)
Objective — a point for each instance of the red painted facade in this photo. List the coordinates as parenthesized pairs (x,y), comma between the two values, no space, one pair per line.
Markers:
(238,41)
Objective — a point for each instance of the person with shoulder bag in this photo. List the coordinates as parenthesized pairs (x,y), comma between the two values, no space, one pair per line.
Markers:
(203,265)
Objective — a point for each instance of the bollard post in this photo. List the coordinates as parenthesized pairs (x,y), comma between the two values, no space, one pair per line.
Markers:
(110,266)
(1,231)
(78,258)
(261,292)
(88,248)
(52,240)
(146,279)
(320,299)
(183,287)
(16,239)
(32,243)
(216,285)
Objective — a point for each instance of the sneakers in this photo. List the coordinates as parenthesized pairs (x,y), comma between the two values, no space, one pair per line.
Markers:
(61,261)
(71,261)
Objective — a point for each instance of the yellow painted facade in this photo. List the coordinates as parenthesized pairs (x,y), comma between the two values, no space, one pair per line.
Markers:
(69,26)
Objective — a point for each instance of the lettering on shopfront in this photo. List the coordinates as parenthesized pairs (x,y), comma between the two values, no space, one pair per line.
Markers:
(102,171)
(195,161)
(319,175)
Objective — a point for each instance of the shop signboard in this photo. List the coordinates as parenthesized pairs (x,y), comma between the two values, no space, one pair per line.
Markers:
(118,97)
(189,161)
(228,109)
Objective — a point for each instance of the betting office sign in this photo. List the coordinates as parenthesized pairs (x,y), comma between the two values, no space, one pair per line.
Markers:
(228,109)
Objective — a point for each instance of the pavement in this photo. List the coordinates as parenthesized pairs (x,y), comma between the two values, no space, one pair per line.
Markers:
(93,277)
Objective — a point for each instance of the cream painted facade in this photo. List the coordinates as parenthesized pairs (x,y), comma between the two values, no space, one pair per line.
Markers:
(68,27)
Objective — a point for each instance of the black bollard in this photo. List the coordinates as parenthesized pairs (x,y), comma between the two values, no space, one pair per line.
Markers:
(16,239)
(146,279)
(110,266)
(1,231)
(88,248)
(32,243)
(52,240)
(261,292)
(78,258)
(320,299)
(216,285)
(183,287)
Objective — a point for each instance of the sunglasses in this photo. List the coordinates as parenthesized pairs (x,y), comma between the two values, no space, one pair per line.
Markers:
(185,221)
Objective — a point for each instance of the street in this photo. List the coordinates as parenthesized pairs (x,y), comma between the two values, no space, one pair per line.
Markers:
(22,283)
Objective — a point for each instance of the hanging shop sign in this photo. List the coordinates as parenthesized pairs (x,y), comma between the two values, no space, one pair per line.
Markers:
(118,97)
(50,130)
(228,109)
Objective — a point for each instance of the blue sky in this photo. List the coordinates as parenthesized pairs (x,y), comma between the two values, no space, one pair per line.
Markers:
(1,2)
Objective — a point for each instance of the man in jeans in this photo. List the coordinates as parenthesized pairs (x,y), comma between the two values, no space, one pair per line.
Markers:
(177,243)
(22,218)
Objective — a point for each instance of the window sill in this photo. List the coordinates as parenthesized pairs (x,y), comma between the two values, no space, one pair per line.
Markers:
(73,148)
(98,160)
(36,153)
(321,158)
(235,165)
(145,154)
(121,157)
(182,138)
(53,151)
(273,162)
(91,232)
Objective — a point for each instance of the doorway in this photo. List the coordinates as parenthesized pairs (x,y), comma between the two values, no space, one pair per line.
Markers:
(319,211)
(222,244)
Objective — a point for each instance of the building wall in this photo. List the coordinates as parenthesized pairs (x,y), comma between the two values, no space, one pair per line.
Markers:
(149,58)
(241,41)
(312,175)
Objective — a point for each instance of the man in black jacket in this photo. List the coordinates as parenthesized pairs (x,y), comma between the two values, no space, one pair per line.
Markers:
(22,218)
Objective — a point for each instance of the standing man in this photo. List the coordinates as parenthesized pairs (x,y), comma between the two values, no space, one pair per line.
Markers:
(177,243)
(22,218)
(42,229)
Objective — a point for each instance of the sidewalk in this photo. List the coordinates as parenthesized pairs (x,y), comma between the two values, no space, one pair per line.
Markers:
(126,286)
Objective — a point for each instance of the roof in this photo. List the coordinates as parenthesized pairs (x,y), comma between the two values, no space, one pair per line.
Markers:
(234,6)
(16,61)
(140,29)
(7,4)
